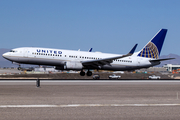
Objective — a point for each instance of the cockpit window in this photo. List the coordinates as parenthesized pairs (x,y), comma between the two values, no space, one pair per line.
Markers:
(12,51)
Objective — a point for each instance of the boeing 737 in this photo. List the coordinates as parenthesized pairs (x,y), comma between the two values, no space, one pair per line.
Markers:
(81,60)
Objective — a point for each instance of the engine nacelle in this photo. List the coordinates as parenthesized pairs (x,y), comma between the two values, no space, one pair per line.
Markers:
(73,66)
(59,67)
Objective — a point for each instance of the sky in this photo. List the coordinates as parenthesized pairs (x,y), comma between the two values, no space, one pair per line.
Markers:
(110,26)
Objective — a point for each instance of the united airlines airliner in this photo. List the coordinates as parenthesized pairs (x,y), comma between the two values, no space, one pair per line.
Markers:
(81,60)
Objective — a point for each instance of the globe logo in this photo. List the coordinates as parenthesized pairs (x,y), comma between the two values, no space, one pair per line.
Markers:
(149,51)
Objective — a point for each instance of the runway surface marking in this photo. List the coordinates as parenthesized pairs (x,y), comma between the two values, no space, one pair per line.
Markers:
(87,105)
(89,81)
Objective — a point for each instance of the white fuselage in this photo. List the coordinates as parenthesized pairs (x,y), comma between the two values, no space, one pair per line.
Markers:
(58,57)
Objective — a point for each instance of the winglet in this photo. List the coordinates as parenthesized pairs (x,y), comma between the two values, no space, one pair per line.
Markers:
(133,49)
(90,50)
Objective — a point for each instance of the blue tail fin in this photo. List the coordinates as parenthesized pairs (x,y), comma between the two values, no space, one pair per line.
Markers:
(154,46)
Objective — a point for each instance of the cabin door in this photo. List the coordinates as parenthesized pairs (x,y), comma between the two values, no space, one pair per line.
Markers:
(25,52)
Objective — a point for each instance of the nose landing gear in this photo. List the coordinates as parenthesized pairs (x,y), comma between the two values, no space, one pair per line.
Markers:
(19,68)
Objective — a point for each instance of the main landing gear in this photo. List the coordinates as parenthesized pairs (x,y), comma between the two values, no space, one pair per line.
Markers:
(82,73)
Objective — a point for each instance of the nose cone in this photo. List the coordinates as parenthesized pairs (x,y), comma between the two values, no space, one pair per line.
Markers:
(5,55)
(8,56)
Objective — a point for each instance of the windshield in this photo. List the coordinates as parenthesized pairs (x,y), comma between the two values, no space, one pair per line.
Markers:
(12,51)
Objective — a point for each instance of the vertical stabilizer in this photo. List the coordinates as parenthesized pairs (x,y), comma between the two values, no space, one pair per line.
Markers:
(154,46)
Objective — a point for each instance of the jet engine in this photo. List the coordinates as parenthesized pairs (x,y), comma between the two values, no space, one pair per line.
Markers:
(59,67)
(73,66)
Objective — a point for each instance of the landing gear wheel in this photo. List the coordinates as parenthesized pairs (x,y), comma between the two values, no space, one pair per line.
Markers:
(89,73)
(82,73)
(19,68)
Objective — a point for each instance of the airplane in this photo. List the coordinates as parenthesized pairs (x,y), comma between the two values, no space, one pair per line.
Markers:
(62,59)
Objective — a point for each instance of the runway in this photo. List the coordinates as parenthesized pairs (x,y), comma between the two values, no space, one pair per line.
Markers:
(90,100)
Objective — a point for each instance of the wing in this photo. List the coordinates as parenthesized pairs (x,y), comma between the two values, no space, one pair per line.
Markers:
(106,61)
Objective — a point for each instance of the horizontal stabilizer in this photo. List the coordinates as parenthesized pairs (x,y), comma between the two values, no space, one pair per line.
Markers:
(156,60)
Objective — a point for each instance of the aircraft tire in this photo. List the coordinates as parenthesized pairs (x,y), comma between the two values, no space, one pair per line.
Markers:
(82,73)
(89,73)
(19,68)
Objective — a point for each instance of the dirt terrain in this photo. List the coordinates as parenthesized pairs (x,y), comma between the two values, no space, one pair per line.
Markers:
(77,76)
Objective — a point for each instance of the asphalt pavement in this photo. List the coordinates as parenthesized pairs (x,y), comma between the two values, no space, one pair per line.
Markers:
(90,100)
